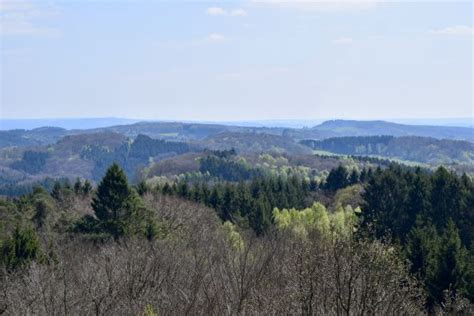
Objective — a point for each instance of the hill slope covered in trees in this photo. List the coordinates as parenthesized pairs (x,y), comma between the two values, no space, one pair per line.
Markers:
(421,149)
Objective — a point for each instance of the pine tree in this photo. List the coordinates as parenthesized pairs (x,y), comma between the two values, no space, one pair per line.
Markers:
(260,218)
(78,186)
(453,266)
(21,248)
(363,175)
(87,188)
(337,179)
(215,198)
(142,188)
(354,177)
(56,192)
(114,203)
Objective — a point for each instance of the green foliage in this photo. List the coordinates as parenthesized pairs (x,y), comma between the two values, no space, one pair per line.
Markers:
(130,156)
(253,201)
(43,207)
(149,311)
(316,218)
(19,249)
(223,167)
(112,195)
(431,217)
(87,187)
(337,179)
(233,237)
(411,148)
(453,266)
(302,221)
(118,209)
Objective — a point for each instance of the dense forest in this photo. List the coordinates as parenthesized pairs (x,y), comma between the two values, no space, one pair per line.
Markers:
(206,219)
(31,157)
(384,240)
(421,149)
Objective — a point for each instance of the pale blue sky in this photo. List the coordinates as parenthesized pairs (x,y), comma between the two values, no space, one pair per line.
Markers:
(223,60)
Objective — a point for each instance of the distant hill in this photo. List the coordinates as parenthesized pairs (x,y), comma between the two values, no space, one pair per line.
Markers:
(412,148)
(195,131)
(253,143)
(85,156)
(34,137)
(66,123)
(339,128)
(159,130)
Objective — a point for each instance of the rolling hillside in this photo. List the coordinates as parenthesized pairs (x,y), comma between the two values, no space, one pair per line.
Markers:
(197,132)
(342,128)
(412,148)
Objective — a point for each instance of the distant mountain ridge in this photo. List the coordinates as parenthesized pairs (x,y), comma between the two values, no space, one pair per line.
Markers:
(343,128)
(66,123)
(197,131)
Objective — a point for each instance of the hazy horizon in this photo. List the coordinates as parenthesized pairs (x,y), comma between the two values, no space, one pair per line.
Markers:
(99,122)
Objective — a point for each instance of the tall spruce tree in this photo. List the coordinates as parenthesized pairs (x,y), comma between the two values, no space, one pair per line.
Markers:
(337,179)
(114,203)
(21,248)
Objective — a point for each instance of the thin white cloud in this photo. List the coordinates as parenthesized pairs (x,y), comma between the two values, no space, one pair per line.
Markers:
(21,18)
(455,30)
(218,11)
(319,5)
(343,41)
(217,38)
(238,12)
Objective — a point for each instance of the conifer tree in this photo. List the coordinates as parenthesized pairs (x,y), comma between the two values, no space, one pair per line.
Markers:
(87,187)
(354,177)
(78,186)
(20,248)
(114,204)
(337,179)
(453,267)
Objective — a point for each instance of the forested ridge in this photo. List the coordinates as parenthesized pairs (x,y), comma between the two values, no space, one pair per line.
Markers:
(421,149)
(243,242)
(32,157)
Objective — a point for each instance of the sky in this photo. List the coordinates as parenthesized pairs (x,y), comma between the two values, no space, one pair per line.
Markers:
(236,60)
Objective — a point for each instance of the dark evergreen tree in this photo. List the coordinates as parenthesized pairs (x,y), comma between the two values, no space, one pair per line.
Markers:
(21,248)
(142,188)
(453,267)
(114,204)
(354,177)
(337,179)
(56,192)
(260,218)
(87,187)
(78,186)
(363,175)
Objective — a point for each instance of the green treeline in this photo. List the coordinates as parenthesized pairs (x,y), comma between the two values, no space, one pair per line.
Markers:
(363,145)
(425,219)
(225,166)
(412,148)
(252,201)
(431,216)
